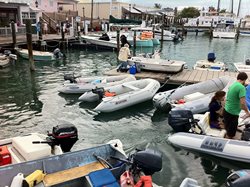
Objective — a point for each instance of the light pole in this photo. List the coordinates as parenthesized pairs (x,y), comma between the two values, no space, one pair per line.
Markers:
(91,21)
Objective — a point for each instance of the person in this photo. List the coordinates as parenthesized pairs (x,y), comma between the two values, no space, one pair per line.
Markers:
(235,102)
(123,56)
(57,28)
(45,28)
(216,110)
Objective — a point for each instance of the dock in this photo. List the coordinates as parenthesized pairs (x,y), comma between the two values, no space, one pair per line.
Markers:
(188,76)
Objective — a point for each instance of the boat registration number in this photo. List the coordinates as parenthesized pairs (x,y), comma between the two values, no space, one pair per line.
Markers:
(213,144)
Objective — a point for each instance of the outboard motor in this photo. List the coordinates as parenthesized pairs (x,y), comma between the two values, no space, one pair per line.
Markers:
(149,161)
(181,120)
(70,78)
(57,53)
(99,91)
(246,133)
(64,135)
(240,178)
(104,37)
(211,57)
(247,61)
(7,52)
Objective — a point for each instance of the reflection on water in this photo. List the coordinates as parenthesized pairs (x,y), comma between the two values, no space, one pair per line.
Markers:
(30,102)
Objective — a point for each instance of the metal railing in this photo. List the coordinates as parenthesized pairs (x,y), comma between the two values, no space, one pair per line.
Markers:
(6,31)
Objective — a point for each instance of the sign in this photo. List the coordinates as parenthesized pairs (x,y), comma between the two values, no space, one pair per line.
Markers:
(78,18)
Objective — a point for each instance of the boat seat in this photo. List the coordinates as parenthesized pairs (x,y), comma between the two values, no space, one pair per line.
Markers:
(204,124)
(71,174)
(102,178)
(30,151)
(130,86)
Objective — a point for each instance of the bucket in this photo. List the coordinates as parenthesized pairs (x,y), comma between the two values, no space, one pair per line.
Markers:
(132,69)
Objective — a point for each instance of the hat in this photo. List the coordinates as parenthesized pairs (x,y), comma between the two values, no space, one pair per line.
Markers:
(126,45)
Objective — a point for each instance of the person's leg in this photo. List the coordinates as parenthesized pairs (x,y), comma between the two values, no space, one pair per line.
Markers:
(231,123)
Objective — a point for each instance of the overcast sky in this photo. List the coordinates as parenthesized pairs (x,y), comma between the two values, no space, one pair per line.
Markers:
(245,4)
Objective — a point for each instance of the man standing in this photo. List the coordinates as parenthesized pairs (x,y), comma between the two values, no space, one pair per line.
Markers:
(124,54)
(235,102)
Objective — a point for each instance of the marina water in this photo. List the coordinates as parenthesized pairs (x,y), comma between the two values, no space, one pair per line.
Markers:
(29,102)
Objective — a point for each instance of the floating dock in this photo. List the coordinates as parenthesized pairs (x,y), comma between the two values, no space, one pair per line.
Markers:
(188,76)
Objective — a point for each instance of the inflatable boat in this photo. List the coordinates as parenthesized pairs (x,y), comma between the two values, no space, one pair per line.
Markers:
(81,85)
(155,63)
(199,137)
(195,97)
(210,64)
(125,95)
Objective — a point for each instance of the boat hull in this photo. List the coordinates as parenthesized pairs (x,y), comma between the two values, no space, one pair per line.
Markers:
(167,100)
(229,35)
(219,147)
(37,55)
(129,96)
(103,43)
(241,67)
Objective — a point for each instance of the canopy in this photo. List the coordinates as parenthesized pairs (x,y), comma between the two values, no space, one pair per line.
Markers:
(124,21)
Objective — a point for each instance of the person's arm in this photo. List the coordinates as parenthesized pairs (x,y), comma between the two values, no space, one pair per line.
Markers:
(243,105)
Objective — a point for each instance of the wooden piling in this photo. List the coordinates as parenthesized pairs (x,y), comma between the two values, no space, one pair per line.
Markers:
(118,40)
(13,31)
(29,44)
(134,46)
(62,34)
(211,29)
(153,31)
(162,33)
(238,30)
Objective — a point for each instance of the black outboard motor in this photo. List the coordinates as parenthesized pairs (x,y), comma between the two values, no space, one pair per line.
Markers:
(246,133)
(70,78)
(104,37)
(64,135)
(99,91)
(247,61)
(149,161)
(181,120)
(240,178)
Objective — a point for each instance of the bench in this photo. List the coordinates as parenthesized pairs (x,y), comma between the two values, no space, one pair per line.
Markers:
(70,174)
(204,124)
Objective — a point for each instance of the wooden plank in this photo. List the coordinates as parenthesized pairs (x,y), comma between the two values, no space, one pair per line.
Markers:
(210,75)
(198,76)
(179,76)
(204,76)
(215,74)
(70,174)
(192,76)
(227,73)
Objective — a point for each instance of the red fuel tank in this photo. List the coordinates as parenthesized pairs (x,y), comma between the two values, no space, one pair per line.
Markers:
(5,157)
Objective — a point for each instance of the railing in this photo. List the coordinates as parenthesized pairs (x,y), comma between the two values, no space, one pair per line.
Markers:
(6,31)
(51,22)
(59,16)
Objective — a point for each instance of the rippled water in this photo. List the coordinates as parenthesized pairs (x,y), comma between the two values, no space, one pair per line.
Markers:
(29,102)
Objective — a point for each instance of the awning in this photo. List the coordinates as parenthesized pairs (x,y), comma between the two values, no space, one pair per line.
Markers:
(34,9)
(132,10)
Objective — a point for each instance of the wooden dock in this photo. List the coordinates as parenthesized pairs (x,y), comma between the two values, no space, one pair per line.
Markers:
(186,76)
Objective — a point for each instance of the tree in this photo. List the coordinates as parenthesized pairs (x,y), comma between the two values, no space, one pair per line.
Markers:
(158,5)
(189,12)
(223,11)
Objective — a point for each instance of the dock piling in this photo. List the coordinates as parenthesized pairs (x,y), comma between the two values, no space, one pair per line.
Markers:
(134,44)
(13,31)
(29,44)
(118,40)
(62,34)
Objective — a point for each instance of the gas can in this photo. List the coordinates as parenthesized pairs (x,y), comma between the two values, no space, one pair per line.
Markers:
(5,157)
(126,179)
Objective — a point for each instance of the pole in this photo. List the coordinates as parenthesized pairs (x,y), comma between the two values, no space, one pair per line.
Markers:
(238,30)
(83,14)
(29,44)
(218,7)
(134,46)
(232,4)
(62,34)
(211,29)
(153,31)
(91,21)
(238,12)
(118,40)
(162,32)
(13,31)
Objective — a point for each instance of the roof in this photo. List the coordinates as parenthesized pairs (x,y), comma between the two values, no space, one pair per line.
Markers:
(132,10)
(34,9)
(16,1)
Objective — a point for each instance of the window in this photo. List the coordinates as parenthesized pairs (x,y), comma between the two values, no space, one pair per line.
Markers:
(32,15)
(25,15)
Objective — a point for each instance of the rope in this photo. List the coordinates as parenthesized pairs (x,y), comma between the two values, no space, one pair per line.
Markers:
(168,78)
(53,46)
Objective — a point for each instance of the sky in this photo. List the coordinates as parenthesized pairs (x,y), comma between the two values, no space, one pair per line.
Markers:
(225,4)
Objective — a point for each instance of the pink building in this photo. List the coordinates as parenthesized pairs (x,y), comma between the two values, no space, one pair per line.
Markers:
(46,5)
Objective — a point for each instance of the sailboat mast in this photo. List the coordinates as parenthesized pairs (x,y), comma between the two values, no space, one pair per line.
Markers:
(232,6)
(218,7)
(238,13)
